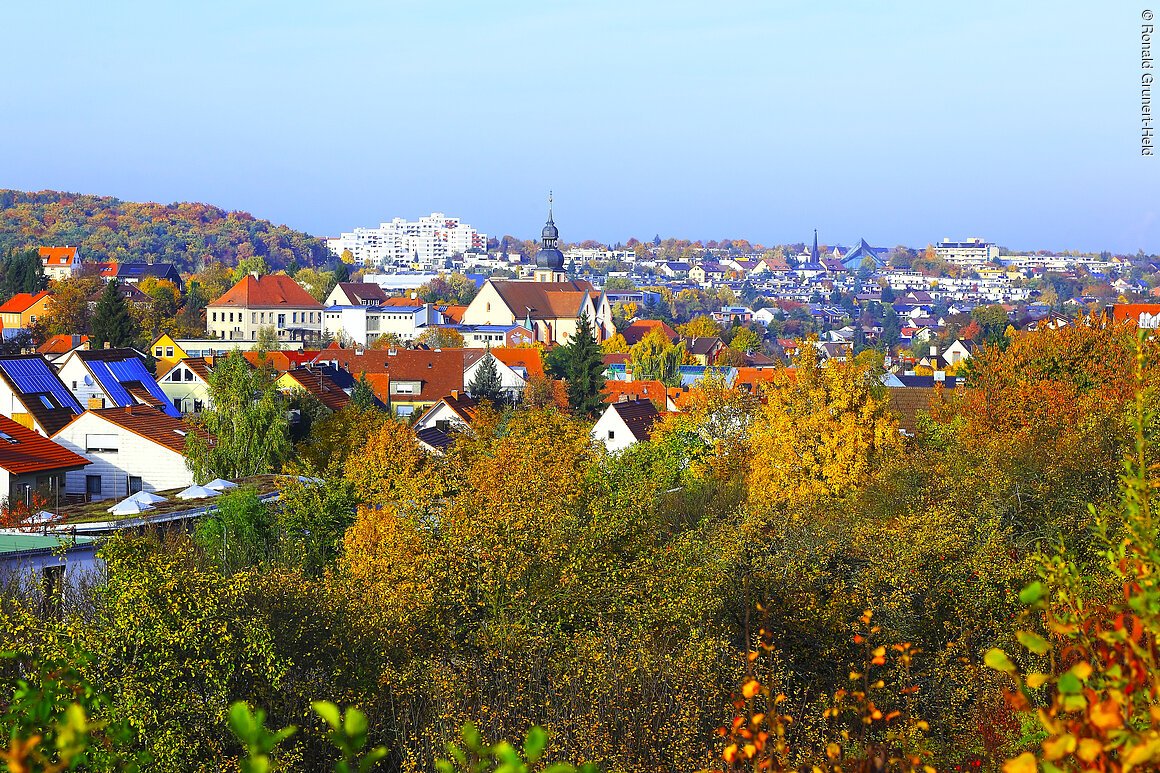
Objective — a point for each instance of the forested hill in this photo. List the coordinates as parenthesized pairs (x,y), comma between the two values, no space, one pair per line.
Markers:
(187,234)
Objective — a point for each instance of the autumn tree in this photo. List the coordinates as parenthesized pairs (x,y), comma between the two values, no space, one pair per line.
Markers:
(699,327)
(821,434)
(657,358)
(69,312)
(246,421)
(441,338)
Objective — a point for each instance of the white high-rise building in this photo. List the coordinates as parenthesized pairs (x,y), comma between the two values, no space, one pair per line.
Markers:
(423,244)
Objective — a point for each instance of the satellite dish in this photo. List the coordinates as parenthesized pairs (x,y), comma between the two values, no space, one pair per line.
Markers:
(88,380)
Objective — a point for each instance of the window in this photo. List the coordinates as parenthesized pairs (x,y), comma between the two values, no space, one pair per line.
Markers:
(93,485)
(74,386)
(404,410)
(281,320)
(102,443)
(156,353)
(253,317)
(134,484)
(168,351)
(611,434)
(215,316)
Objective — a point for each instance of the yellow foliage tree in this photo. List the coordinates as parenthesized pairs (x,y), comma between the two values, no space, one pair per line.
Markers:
(820,434)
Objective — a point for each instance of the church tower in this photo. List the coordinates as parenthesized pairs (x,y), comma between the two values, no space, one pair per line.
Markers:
(549,260)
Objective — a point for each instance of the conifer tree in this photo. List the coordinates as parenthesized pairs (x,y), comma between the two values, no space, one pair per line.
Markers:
(362,396)
(112,323)
(486,384)
(585,370)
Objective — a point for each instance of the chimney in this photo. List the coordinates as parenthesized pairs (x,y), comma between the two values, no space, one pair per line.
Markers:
(454,394)
(934,351)
(628,372)
(108,345)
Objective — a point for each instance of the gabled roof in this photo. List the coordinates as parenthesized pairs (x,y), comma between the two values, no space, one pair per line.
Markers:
(279,360)
(122,375)
(514,357)
(465,406)
(853,259)
(546,300)
(200,366)
(702,345)
(140,270)
(362,292)
(62,344)
(435,439)
(638,415)
(638,329)
(38,386)
(271,291)
(316,380)
(151,424)
(58,256)
(453,314)
(23,451)
(22,302)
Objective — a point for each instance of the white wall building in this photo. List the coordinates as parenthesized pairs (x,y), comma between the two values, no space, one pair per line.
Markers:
(130,450)
(424,243)
(363,324)
(969,252)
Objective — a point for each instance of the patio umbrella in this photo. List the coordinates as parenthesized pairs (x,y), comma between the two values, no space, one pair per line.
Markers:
(129,507)
(145,498)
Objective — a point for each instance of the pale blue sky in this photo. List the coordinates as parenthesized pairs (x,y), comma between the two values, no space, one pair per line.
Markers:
(900,122)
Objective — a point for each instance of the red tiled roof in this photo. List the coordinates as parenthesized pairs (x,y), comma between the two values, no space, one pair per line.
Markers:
(22,302)
(151,424)
(1125,311)
(653,391)
(61,344)
(513,356)
(321,386)
(439,372)
(272,291)
(454,313)
(58,256)
(638,329)
(23,451)
(615,358)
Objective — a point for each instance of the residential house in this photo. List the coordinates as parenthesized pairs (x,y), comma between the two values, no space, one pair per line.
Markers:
(911,396)
(320,381)
(168,351)
(453,412)
(32,394)
(678,269)
(134,271)
(274,301)
(357,294)
(407,381)
(492,336)
(60,262)
(128,292)
(31,465)
(625,424)
(186,384)
(550,310)
(105,378)
(959,351)
(57,347)
(707,273)
(704,349)
(23,309)
(361,324)
(728,314)
(636,330)
(513,365)
(130,449)
(616,391)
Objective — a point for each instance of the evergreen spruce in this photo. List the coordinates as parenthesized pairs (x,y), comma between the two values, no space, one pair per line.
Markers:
(362,396)
(585,371)
(112,323)
(486,385)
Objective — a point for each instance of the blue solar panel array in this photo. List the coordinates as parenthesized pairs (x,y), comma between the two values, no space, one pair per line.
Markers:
(111,376)
(33,375)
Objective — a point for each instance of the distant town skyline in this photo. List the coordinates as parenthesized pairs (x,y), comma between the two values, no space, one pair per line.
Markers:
(762,121)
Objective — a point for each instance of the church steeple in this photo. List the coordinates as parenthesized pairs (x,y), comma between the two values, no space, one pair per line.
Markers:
(814,251)
(549,260)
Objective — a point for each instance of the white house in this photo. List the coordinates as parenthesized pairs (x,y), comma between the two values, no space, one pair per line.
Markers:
(106,378)
(513,379)
(137,448)
(363,324)
(625,423)
(275,301)
(31,464)
(454,412)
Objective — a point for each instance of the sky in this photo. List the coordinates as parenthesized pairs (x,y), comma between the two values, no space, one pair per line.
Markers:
(897,122)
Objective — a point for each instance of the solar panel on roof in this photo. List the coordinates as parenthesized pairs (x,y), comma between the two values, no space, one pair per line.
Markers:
(32,375)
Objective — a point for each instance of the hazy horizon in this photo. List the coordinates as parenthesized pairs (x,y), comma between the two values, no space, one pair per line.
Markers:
(759,121)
